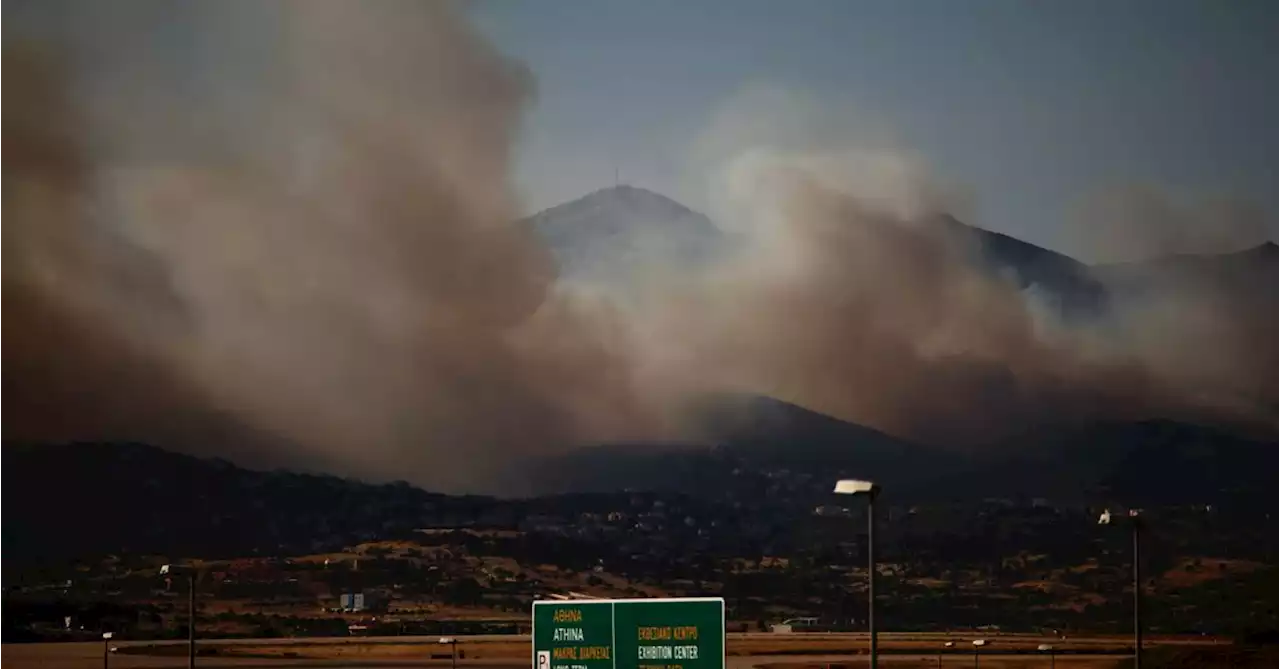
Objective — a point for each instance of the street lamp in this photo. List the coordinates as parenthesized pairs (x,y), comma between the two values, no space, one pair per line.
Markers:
(106,648)
(858,487)
(977,643)
(1136,524)
(1046,648)
(949,644)
(452,642)
(165,570)
(4,604)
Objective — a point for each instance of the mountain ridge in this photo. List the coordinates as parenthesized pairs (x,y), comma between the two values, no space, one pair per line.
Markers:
(93,485)
(605,215)
(141,499)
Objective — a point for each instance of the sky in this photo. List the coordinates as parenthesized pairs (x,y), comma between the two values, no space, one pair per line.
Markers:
(1035,108)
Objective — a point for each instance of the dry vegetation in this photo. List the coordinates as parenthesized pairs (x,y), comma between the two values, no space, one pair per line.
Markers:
(825,651)
(1191,571)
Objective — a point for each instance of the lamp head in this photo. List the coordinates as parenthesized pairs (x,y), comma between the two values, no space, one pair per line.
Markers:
(855,487)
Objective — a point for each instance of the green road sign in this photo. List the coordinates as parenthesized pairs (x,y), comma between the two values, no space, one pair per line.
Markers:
(629,634)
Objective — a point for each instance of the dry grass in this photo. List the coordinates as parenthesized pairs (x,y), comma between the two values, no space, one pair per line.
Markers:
(514,652)
(962,660)
(755,645)
(1187,573)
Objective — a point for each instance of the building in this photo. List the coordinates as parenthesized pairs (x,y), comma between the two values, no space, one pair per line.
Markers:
(354,602)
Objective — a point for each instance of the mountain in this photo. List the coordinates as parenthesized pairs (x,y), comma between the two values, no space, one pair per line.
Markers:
(1216,310)
(613,233)
(744,433)
(1245,277)
(1062,283)
(80,499)
(1139,463)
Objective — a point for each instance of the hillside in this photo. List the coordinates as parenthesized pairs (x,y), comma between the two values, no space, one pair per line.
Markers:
(1215,310)
(278,548)
(1132,463)
(85,499)
(1144,463)
(1066,285)
(741,437)
(752,450)
(1241,274)
(90,499)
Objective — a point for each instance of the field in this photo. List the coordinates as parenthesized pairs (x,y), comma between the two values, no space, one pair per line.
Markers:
(745,651)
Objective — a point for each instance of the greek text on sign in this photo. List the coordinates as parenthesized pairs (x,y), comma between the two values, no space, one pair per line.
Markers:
(685,633)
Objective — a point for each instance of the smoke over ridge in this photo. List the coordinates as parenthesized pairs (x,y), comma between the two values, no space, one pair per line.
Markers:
(306,251)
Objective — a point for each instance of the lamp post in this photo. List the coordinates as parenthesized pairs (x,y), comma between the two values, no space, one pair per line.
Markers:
(1046,648)
(4,605)
(1135,523)
(106,649)
(977,643)
(949,644)
(453,648)
(871,490)
(191,610)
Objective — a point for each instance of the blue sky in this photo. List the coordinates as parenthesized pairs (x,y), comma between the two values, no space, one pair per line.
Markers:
(1034,106)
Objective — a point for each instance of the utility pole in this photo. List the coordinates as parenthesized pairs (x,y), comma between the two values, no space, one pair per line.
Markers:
(191,619)
(1135,522)
(1137,592)
(4,604)
(452,641)
(871,571)
(871,490)
(168,571)
(977,643)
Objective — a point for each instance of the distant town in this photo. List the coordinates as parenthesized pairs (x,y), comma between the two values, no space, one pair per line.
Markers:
(778,547)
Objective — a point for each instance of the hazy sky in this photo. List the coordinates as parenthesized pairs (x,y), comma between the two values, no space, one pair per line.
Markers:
(1034,106)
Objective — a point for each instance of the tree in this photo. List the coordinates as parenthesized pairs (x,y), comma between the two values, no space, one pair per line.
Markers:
(465,591)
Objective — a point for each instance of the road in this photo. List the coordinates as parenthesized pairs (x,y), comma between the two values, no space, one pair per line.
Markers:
(884,637)
(746,651)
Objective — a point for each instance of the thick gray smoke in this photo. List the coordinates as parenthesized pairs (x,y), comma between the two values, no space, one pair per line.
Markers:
(847,300)
(283,232)
(851,297)
(1140,222)
(318,242)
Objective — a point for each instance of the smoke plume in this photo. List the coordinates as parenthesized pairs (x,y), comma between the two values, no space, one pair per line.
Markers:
(292,241)
(853,294)
(1140,222)
(321,246)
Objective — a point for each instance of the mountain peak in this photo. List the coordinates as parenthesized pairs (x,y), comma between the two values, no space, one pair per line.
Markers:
(607,233)
(612,200)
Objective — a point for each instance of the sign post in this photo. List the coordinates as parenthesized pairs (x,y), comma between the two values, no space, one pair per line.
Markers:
(684,633)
